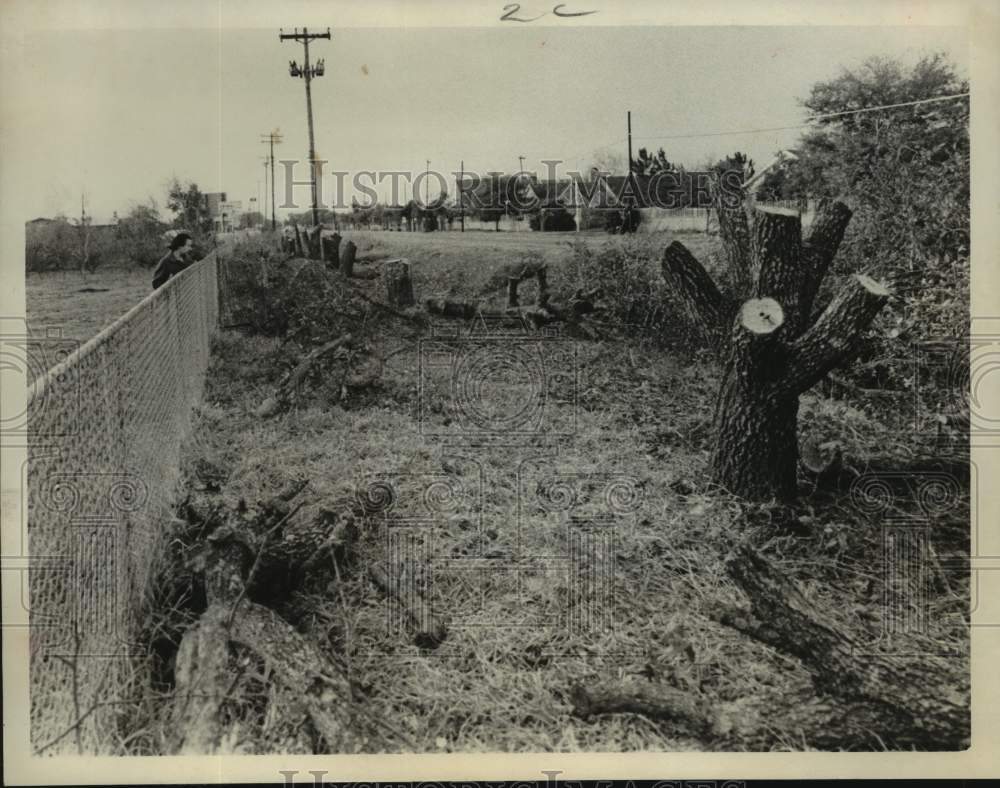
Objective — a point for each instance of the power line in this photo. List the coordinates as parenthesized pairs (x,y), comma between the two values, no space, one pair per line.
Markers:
(806,122)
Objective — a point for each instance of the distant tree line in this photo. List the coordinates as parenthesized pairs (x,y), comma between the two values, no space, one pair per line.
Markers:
(135,239)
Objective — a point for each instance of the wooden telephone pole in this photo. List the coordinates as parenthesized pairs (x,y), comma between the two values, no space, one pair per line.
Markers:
(461,201)
(272,138)
(629,116)
(307,72)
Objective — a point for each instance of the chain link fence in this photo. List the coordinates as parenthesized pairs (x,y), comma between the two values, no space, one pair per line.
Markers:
(105,431)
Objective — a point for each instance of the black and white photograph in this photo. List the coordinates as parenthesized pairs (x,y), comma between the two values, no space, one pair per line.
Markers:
(505,380)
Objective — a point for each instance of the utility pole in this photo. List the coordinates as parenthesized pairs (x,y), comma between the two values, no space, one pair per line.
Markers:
(427,183)
(84,234)
(270,139)
(461,201)
(264,204)
(630,142)
(308,72)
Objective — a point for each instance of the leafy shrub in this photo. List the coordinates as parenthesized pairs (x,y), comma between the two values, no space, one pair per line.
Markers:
(139,236)
(137,239)
(622,221)
(633,291)
(556,220)
(51,246)
(905,174)
(273,296)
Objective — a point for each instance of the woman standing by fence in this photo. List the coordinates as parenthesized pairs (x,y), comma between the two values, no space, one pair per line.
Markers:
(175,260)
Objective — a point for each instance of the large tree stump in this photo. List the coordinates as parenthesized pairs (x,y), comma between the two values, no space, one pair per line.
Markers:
(331,250)
(313,242)
(347,259)
(772,347)
(512,284)
(399,285)
(299,248)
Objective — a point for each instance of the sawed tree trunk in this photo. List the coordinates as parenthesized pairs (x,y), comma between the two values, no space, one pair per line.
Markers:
(399,285)
(771,348)
(347,259)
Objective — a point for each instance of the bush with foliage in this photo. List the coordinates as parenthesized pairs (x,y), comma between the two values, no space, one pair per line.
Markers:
(139,235)
(271,295)
(556,220)
(633,292)
(51,246)
(905,174)
(622,222)
(190,207)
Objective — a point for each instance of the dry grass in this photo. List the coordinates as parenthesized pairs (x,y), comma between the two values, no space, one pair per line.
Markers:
(55,300)
(499,682)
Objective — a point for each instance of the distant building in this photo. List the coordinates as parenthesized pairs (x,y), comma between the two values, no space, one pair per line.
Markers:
(213,202)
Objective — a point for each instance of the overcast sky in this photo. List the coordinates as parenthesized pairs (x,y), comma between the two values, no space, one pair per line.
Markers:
(116,113)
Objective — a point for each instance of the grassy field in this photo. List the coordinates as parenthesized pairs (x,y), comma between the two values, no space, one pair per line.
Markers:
(622,440)
(81,304)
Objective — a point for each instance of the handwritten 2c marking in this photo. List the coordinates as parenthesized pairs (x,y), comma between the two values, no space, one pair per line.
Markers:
(512,9)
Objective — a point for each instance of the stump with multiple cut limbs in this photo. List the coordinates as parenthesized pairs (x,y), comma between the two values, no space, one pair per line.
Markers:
(765,334)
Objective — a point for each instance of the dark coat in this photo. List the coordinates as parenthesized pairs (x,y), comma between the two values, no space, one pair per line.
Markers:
(166,268)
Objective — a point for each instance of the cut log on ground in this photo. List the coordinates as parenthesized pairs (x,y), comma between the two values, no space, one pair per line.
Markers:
(899,692)
(540,314)
(364,272)
(204,676)
(248,556)
(443,307)
(758,722)
(690,714)
(772,348)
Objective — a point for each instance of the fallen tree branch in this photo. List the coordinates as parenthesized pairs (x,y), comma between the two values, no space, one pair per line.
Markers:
(204,674)
(293,380)
(914,702)
(655,701)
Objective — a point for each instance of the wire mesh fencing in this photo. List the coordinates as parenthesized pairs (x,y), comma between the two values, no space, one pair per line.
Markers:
(105,432)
